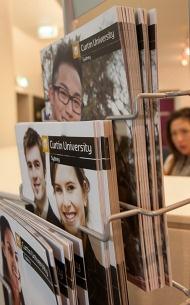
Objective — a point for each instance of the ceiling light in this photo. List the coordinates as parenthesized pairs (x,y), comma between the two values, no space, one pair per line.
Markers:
(187,51)
(22,81)
(184,62)
(47,31)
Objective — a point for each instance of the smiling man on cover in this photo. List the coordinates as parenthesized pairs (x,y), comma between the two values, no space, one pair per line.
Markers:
(35,159)
(65,91)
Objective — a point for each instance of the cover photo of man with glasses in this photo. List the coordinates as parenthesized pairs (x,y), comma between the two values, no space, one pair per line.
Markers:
(65,89)
(64,92)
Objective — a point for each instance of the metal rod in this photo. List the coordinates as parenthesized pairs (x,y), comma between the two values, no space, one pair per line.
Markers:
(101,237)
(177,93)
(158,212)
(124,214)
(178,286)
(141,96)
(171,207)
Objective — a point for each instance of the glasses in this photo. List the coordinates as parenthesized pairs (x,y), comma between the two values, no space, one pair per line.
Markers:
(64,97)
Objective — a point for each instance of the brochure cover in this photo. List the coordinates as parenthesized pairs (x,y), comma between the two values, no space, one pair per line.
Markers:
(24,263)
(83,49)
(78,191)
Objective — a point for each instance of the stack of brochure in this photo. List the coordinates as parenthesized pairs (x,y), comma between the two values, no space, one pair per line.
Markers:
(27,260)
(69,178)
(115,56)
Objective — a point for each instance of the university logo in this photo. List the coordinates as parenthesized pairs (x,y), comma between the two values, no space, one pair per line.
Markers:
(18,241)
(45,144)
(76,50)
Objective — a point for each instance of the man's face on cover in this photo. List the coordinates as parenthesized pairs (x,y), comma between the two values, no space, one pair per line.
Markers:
(66,94)
(36,172)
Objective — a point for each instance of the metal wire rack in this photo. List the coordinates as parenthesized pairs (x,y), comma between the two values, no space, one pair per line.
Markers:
(130,210)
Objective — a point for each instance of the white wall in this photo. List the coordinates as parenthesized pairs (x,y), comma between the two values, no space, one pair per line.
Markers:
(19,55)
(7,96)
(27,60)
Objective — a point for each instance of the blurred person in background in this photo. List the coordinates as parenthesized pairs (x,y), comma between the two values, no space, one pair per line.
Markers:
(178,137)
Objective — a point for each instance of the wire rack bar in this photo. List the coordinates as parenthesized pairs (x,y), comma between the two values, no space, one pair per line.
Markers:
(131,210)
(145,212)
(180,287)
(140,96)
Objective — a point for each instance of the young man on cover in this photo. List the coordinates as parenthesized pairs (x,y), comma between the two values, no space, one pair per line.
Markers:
(35,159)
(65,90)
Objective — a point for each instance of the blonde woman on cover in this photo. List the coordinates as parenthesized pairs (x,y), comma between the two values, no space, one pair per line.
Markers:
(178,136)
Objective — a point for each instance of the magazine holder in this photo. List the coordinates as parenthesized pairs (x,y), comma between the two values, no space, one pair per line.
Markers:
(8,289)
(130,210)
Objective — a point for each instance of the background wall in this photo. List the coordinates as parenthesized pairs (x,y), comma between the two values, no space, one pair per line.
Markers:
(26,57)
(7,85)
(20,55)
